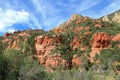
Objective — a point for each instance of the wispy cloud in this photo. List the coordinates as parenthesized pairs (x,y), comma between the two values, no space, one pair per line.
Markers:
(87,4)
(9,17)
(115,5)
(34,24)
(39,8)
(38,4)
(46,10)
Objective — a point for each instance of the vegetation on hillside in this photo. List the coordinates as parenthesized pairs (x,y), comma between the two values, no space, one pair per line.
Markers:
(20,64)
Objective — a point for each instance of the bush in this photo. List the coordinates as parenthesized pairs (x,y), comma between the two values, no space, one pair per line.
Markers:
(32,70)
(14,60)
(3,67)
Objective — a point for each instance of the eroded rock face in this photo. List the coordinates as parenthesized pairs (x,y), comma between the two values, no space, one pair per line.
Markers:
(75,43)
(116,38)
(85,18)
(100,40)
(6,35)
(87,33)
(93,54)
(76,61)
(105,18)
(52,62)
(58,30)
(77,29)
(55,61)
(98,25)
(24,34)
(75,17)
(116,17)
(44,45)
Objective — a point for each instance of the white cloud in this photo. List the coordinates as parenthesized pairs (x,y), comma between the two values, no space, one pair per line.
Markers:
(9,17)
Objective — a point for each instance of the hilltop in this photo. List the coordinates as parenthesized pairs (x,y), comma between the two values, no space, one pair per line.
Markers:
(114,17)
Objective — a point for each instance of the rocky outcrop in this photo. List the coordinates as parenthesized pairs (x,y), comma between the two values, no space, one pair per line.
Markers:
(105,19)
(87,33)
(54,62)
(93,54)
(6,35)
(100,40)
(75,17)
(58,30)
(44,45)
(115,17)
(85,18)
(79,29)
(75,44)
(24,34)
(76,61)
(98,25)
(116,38)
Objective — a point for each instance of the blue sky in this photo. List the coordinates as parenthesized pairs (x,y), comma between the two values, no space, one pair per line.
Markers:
(47,14)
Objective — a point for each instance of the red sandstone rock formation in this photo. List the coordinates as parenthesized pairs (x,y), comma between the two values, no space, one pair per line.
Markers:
(54,61)
(87,33)
(93,53)
(85,18)
(6,35)
(24,34)
(75,43)
(76,61)
(77,29)
(98,21)
(98,25)
(78,21)
(58,30)
(116,38)
(87,28)
(100,40)
(44,45)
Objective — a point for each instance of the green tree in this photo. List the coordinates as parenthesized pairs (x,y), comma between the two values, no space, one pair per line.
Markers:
(32,70)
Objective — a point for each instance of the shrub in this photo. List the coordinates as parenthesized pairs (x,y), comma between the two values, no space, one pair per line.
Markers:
(14,59)
(32,70)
